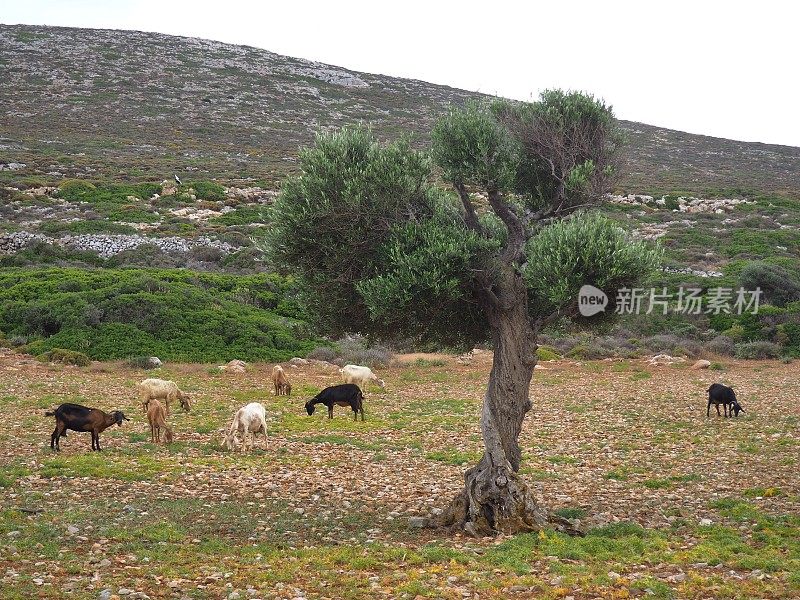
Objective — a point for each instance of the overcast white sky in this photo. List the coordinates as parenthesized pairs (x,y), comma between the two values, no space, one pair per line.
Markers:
(719,68)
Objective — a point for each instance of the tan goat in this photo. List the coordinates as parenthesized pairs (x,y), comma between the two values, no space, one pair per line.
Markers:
(157,417)
(281,382)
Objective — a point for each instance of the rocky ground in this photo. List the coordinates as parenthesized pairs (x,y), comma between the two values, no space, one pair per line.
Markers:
(675,504)
(176,224)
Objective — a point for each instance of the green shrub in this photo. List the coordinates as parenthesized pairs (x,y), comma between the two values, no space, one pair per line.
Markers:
(756,350)
(208,190)
(249,259)
(244,215)
(65,357)
(174,314)
(779,285)
(788,335)
(736,332)
(75,190)
(589,351)
(547,353)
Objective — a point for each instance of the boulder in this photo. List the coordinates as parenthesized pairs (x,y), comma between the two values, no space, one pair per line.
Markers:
(234,366)
(664,359)
(701,364)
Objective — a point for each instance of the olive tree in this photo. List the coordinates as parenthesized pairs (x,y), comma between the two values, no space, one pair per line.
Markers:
(381,249)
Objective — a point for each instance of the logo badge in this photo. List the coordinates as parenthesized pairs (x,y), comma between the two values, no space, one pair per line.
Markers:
(591,300)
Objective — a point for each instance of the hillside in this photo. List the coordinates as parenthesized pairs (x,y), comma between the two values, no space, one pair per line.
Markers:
(93,121)
(141,106)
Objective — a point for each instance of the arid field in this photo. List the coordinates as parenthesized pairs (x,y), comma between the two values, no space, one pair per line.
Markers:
(675,505)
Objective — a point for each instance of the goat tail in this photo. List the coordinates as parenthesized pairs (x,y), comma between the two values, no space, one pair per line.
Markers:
(50,414)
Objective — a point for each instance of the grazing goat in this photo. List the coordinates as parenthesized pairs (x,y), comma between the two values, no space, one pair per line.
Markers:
(157,417)
(251,418)
(159,389)
(82,418)
(722,394)
(361,376)
(281,382)
(347,394)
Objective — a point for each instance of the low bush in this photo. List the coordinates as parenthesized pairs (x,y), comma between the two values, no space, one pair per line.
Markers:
(547,353)
(244,215)
(208,190)
(325,353)
(358,350)
(38,253)
(75,190)
(176,315)
(65,357)
(355,350)
(723,345)
(759,349)
(779,285)
(589,351)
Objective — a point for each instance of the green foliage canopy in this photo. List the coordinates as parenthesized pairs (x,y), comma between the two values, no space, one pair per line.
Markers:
(379,249)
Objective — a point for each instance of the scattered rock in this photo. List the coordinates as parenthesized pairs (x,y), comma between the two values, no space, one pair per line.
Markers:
(701,364)
(417,522)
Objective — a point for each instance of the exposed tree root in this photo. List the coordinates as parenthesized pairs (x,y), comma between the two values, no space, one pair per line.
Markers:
(497,501)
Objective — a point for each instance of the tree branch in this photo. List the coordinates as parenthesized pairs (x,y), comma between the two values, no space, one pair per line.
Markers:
(543,322)
(515,244)
(470,216)
(555,212)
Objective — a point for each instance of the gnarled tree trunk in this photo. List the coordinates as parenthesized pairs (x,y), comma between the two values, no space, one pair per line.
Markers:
(495,499)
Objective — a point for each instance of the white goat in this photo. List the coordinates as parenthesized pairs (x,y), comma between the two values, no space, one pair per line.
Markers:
(361,376)
(251,418)
(160,389)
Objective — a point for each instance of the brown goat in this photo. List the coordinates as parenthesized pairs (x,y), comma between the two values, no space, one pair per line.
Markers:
(82,418)
(281,382)
(157,417)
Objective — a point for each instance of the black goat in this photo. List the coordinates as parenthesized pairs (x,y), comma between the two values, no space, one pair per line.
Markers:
(348,394)
(722,394)
(82,418)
